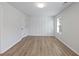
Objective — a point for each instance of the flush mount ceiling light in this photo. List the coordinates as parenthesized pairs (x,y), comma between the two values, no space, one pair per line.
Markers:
(40,5)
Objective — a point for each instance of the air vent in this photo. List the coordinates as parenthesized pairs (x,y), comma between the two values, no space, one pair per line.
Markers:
(65,2)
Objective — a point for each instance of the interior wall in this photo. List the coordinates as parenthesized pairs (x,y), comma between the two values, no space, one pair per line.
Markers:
(41,26)
(12,26)
(1,14)
(70,26)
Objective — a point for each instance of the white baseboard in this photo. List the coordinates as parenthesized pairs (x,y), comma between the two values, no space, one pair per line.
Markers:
(3,51)
(39,35)
(68,46)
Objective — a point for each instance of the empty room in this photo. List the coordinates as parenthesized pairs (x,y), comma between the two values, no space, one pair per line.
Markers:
(39,28)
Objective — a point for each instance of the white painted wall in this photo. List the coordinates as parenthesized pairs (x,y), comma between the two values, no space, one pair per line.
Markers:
(1,17)
(70,26)
(41,26)
(12,26)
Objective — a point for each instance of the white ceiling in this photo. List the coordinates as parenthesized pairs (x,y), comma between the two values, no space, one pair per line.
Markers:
(51,9)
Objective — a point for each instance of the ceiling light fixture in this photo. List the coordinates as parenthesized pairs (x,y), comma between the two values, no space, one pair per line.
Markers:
(40,5)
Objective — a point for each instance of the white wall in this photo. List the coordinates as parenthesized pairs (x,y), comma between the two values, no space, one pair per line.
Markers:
(12,26)
(70,26)
(41,26)
(1,16)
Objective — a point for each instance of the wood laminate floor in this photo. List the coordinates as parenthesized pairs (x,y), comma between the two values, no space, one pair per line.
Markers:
(39,46)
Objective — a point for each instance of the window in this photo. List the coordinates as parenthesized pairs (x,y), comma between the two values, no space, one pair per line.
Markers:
(58,25)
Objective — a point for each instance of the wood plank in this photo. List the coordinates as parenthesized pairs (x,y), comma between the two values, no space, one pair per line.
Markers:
(39,46)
